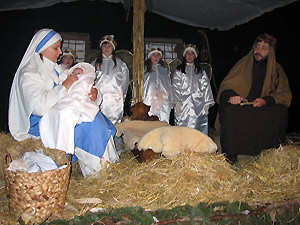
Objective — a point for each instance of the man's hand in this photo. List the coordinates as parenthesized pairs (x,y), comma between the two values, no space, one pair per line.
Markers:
(236,100)
(93,94)
(259,102)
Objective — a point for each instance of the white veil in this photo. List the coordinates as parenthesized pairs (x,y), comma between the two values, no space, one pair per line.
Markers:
(20,108)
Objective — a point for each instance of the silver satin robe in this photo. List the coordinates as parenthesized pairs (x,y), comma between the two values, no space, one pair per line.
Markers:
(192,97)
(157,92)
(113,84)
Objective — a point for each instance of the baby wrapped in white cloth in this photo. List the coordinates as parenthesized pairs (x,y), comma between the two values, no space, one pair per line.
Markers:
(57,125)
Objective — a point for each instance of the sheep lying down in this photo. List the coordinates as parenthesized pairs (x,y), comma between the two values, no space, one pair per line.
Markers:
(133,131)
(172,140)
(160,137)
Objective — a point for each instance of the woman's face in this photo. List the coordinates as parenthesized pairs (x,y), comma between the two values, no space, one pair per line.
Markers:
(190,56)
(53,52)
(155,58)
(107,49)
(68,60)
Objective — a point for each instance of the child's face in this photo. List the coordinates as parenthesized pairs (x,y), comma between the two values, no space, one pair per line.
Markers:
(68,60)
(190,56)
(155,58)
(107,49)
(77,71)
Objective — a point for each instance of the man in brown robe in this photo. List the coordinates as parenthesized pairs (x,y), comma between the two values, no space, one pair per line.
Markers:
(253,102)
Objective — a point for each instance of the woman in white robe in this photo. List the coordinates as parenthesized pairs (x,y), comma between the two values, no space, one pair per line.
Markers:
(112,79)
(35,89)
(157,86)
(192,94)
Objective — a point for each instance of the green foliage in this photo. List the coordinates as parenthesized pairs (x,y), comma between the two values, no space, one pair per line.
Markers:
(136,214)
(216,213)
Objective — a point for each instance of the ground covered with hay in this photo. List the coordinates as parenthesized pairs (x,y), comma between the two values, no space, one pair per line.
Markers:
(148,189)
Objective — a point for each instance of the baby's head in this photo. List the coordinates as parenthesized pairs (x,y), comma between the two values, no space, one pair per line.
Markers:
(77,71)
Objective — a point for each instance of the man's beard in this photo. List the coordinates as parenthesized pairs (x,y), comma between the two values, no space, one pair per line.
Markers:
(262,59)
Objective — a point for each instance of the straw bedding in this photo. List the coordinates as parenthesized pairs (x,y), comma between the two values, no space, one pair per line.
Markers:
(187,179)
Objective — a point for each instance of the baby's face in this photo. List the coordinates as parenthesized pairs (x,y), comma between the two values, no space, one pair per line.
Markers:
(77,71)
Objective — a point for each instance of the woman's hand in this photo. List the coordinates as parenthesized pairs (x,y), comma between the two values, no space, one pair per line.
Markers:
(69,81)
(93,94)
(237,100)
(259,102)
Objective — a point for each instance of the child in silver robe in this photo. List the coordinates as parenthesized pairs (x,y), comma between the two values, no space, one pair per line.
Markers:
(157,86)
(112,79)
(192,94)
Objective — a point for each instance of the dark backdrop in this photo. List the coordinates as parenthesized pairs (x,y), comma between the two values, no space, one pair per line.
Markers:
(99,18)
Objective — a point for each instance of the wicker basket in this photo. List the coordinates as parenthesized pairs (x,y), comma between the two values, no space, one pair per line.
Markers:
(39,196)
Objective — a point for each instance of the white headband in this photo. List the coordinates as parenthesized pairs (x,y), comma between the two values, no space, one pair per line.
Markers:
(154,51)
(64,54)
(192,49)
(110,39)
(68,53)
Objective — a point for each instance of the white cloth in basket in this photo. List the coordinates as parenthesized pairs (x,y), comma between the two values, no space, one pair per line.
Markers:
(32,162)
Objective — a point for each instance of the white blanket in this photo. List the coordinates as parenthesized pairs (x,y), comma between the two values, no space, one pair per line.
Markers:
(57,125)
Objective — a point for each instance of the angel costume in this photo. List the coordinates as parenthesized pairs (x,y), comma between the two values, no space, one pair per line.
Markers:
(112,81)
(35,89)
(192,96)
(157,92)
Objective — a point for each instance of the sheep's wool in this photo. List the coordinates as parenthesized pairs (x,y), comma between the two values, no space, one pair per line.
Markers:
(133,131)
(172,140)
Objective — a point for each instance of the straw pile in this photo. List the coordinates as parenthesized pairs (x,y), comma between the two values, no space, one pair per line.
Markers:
(275,176)
(187,179)
(159,183)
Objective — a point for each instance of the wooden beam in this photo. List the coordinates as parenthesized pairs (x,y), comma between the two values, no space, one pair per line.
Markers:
(138,49)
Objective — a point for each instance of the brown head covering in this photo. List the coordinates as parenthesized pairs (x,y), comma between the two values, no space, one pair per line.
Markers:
(272,41)
(239,78)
